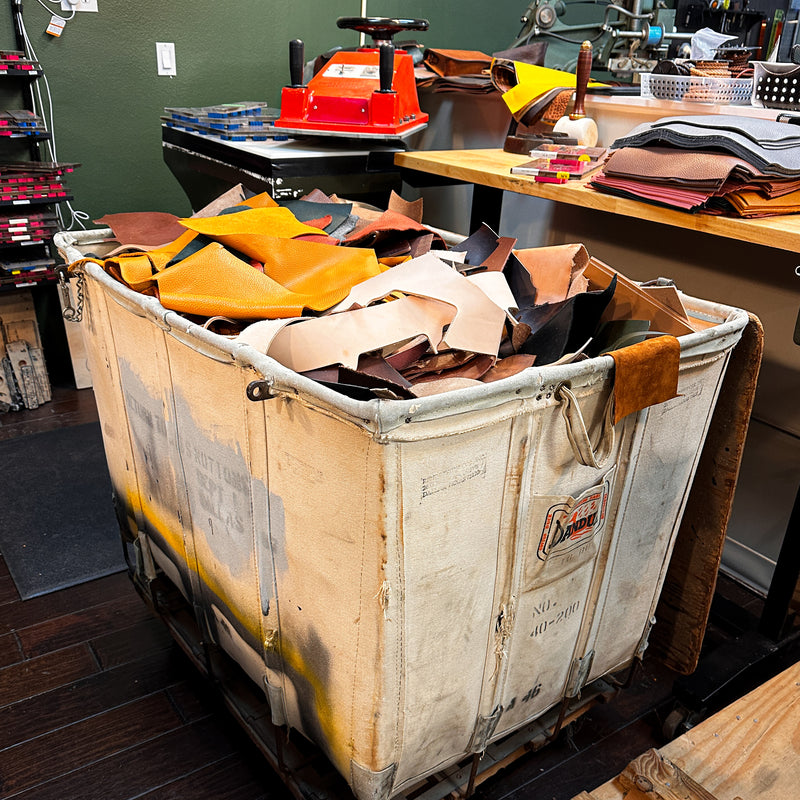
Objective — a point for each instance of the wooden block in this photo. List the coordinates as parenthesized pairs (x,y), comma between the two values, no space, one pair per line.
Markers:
(23,330)
(654,777)
(8,394)
(17,308)
(20,360)
(78,354)
(40,373)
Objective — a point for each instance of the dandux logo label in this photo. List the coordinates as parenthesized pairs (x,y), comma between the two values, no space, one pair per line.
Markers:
(575,521)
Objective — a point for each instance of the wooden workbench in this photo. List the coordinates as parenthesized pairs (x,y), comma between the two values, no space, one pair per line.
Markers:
(491,169)
(751,749)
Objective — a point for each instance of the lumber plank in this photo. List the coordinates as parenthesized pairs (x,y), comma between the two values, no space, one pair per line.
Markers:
(751,749)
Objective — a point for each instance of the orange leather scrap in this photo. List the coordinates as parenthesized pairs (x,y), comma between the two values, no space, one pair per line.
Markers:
(299,276)
(251,231)
(645,374)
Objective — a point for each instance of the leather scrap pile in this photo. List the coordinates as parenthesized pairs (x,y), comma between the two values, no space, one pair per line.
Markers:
(374,303)
(454,71)
(715,164)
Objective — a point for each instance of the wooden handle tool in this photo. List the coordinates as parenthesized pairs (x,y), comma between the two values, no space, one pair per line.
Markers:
(577,124)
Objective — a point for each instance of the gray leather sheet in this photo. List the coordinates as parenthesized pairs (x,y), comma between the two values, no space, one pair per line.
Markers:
(772,147)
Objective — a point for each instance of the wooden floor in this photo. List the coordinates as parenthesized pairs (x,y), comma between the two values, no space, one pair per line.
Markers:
(97,702)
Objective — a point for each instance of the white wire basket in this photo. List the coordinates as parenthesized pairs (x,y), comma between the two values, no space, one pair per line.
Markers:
(697,89)
(776,85)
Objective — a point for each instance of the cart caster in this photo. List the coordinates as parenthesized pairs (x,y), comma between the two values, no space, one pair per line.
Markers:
(679,721)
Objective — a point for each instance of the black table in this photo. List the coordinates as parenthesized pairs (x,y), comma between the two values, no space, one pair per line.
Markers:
(207,166)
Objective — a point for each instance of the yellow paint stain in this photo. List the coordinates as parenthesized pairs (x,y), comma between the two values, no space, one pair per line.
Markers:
(339,749)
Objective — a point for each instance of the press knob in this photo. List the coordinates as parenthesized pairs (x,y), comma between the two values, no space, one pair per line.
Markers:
(296,63)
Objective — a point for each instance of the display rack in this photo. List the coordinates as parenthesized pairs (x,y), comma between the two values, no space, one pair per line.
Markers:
(27,197)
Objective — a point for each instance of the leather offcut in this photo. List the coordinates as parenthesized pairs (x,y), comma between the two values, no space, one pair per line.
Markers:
(645,374)
(214,281)
(456,62)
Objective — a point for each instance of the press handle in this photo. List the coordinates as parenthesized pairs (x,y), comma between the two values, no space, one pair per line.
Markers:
(386,67)
(296,61)
(582,72)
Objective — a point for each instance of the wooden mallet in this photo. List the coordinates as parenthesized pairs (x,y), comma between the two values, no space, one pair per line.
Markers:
(577,124)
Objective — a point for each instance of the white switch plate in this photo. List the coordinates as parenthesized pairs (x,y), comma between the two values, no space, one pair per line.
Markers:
(79,5)
(165,58)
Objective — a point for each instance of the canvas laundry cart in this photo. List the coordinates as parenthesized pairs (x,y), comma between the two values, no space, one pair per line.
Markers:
(407,580)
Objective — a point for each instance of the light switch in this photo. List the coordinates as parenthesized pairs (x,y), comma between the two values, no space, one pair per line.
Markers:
(165,56)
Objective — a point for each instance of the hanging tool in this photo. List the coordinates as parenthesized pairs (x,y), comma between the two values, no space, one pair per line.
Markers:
(577,124)
(369,93)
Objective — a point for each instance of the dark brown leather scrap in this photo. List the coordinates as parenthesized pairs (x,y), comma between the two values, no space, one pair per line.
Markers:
(645,374)
(456,62)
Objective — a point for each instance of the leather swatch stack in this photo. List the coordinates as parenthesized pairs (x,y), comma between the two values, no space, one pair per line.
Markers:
(716,164)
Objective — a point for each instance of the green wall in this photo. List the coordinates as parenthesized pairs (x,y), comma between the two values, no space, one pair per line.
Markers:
(108,98)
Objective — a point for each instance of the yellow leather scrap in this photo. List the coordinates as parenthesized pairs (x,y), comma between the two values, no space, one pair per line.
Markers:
(533,81)
(302,275)
(262,200)
(645,374)
(137,269)
(319,269)
(251,231)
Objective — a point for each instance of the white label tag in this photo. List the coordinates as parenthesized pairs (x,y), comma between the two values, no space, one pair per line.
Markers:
(574,521)
(56,25)
(363,71)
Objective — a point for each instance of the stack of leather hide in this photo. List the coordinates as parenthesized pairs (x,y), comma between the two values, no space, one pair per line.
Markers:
(374,303)
(715,164)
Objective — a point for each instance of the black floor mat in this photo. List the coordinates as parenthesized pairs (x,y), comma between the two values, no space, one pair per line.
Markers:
(57,521)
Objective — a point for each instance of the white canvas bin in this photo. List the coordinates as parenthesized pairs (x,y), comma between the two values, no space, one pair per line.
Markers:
(407,580)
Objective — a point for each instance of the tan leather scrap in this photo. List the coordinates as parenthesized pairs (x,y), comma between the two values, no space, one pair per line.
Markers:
(645,374)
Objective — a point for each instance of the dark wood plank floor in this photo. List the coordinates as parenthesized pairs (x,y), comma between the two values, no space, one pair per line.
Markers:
(98,702)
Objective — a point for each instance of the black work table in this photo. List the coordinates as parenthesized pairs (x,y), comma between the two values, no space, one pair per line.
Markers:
(207,166)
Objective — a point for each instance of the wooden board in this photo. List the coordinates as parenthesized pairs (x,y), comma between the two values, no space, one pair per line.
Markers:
(688,590)
(492,168)
(19,317)
(751,749)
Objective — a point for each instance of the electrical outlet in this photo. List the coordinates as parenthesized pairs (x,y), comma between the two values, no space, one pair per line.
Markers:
(79,5)
(165,58)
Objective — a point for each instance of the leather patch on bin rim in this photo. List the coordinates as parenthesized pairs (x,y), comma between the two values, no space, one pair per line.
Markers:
(645,374)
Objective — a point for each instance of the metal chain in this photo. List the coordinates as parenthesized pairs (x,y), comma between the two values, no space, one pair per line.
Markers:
(71,313)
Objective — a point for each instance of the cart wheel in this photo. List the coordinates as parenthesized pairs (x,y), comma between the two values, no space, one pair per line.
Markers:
(678,722)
